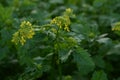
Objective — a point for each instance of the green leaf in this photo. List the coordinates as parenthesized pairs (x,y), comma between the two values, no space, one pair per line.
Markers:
(99,61)
(118,78)
(114,50)
(86,30)
(65,56)
(5,35)
(68,77)
(84,62)
(5,13)
(99,75)
(56,1)
(3,52)
(98,3)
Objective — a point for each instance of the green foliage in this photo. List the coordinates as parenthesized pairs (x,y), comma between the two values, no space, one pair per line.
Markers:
(73,40)
(99,75)
(84,61)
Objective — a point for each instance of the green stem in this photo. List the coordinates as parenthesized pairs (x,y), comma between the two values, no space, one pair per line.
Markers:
(60,70)
(57,52)
(53,65)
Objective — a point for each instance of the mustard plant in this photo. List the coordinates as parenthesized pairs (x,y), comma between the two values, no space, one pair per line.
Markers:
(58,26)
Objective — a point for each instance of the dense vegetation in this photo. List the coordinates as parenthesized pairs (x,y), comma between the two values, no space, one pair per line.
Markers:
(59,40)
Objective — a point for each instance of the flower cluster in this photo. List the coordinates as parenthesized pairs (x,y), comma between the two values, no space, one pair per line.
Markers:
(116,27)
(63,22)
(69,12)
(25,32)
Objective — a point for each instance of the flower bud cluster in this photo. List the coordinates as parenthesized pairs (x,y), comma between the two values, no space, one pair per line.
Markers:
(25,32)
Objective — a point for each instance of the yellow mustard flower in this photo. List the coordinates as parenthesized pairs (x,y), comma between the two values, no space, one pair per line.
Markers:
(25,32)
(116,26)
(63,22)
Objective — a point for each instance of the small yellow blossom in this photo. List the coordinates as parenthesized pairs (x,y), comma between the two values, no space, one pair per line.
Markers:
(54,30)
(25,32)
(69,10)
(116,27)
(63,22)
(91,35)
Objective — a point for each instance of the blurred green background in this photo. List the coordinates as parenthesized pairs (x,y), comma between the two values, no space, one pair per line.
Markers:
(91,28)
